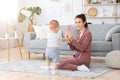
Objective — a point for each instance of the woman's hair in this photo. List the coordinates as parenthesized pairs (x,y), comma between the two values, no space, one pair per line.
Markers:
(55,23)
(83,17)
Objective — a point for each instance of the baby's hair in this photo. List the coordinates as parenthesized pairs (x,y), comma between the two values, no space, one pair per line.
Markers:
(55,23)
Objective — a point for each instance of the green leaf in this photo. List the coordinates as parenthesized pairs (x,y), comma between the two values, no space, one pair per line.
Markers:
(21,17)
(33,10)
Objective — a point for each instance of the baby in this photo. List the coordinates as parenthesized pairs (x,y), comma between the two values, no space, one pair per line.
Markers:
(52,50)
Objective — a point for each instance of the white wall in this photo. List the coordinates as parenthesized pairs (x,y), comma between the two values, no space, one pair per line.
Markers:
(48,11)
(46,15)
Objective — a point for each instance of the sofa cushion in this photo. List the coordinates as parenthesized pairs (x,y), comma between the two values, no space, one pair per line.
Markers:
(115,29)
(101,46)
(42,44)
(41,31)
(99,31)
(38,44)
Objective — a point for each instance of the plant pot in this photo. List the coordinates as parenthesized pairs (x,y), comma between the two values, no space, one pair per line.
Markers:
(87,1)
(30,28)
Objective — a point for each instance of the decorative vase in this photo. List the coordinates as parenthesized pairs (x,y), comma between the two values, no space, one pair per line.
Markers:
(15,34)
(30,28)
(6,36)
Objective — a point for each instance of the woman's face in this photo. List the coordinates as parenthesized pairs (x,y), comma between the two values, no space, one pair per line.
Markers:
(79,24)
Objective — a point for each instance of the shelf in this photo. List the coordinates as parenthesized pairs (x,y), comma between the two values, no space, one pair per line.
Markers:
(112,8)
(104,17)
(110,4)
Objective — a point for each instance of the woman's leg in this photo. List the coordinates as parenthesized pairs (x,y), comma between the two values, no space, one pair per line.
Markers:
(68,64)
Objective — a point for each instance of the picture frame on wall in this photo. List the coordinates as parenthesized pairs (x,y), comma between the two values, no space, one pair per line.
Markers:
(110,1)
(56,1)
(104,1)
(99,1)
(94,2)
(67,7)
(55,11)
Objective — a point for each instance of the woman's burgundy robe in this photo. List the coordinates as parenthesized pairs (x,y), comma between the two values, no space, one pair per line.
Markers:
(83,47)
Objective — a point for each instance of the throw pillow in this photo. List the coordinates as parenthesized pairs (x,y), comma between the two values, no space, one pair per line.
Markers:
(115,29)
(41,31)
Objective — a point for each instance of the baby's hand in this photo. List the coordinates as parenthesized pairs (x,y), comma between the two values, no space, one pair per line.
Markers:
(64,39)
(66,35)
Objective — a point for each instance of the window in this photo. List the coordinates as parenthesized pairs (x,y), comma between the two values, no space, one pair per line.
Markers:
(8,9)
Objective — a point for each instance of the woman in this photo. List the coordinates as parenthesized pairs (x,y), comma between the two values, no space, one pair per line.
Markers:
(82,44)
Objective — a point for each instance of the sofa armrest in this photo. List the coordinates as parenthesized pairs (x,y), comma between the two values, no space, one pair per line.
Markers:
(116,41)
(28,37)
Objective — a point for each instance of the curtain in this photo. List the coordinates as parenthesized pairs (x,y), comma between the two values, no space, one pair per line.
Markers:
(8,9)
(8,13)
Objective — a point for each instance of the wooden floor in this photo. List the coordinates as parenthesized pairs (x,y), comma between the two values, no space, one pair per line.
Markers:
(5,75)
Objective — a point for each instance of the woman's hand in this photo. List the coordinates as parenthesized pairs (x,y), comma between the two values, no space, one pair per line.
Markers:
(68,35)
(69,28)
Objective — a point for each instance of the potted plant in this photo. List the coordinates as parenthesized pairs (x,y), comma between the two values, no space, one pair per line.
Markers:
(28,14)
